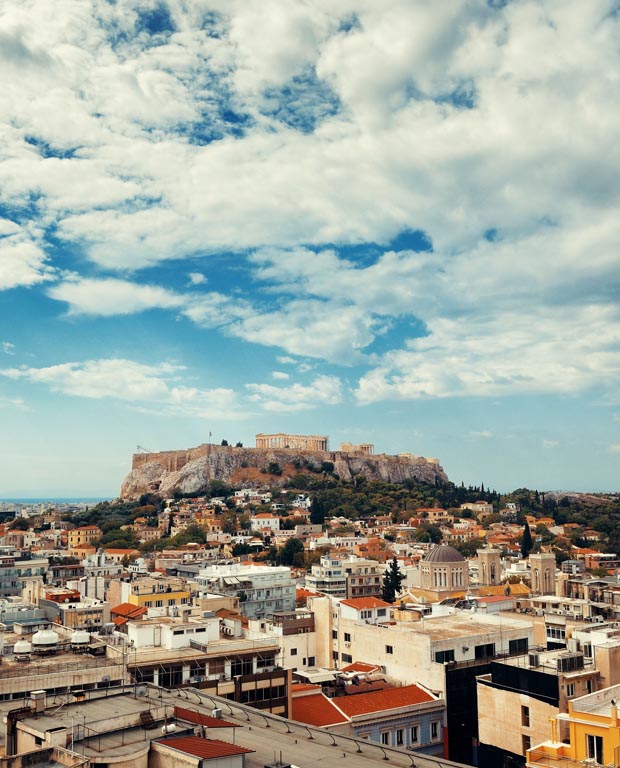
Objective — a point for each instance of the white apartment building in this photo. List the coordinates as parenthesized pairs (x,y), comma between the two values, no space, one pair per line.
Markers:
(262,590)
(409,650)
(295,634)
(346,576)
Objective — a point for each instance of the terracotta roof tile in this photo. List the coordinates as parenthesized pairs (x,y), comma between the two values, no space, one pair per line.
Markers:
(360,666)
(365,602)
(207,749)
(376,701)
(316,710)
(191,716)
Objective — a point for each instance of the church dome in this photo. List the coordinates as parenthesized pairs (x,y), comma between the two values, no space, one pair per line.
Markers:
(444,554)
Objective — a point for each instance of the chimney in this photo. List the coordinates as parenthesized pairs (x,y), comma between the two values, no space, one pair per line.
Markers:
(38,701)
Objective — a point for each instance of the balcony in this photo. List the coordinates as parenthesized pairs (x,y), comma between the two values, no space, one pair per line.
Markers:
(554,756)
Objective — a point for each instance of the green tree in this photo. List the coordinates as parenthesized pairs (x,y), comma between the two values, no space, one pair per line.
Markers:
(289,550)
(526,540)
(19,524)
(392,580)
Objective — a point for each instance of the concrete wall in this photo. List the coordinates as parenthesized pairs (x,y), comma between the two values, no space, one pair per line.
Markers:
(499,718)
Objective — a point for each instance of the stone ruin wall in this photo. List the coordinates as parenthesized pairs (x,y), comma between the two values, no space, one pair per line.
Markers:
(173,461)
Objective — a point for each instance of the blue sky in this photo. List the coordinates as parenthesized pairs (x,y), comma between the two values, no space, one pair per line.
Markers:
(393,222)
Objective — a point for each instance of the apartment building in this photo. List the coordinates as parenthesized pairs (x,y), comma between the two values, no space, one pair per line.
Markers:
(520,695)
(262,590)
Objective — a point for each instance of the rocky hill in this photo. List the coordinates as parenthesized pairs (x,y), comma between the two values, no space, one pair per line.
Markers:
(191,471)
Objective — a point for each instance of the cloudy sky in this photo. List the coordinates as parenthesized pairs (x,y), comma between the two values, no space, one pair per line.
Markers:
(392,221)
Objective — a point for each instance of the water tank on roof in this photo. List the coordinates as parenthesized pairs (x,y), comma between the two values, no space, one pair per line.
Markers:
(22,649)
(80,637)
(45,640)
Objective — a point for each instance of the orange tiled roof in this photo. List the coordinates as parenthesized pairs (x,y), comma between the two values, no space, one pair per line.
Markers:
(300,687)
(191,716)
(365,602)
(360,666)
(376,701)
(316,710)
(128,610)
(207,749)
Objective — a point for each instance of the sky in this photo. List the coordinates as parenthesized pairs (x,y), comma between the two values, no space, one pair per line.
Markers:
(393,222)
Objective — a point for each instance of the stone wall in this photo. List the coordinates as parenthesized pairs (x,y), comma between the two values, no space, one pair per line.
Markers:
(191,470)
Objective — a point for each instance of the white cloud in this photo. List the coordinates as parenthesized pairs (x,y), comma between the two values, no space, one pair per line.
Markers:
(614,448)
(197,278)
(8,348)
(17,403)
(107,297)
(504,354)
(489,128)
(22,261)
(313,329)
(132,382)
(483,434)
(281,375)
(324,390)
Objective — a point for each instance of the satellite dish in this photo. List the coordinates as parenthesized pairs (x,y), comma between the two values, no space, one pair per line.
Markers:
(105,679)
(141,691)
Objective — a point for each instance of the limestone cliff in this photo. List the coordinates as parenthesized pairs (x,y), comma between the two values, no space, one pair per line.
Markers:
(190,471)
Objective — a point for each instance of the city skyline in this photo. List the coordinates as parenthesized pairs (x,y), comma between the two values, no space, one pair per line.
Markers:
(393,223)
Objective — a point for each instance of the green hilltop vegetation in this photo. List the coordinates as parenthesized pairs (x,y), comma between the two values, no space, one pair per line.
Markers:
(362,500)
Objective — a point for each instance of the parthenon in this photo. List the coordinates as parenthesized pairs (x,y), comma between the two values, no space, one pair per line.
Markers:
(298,442)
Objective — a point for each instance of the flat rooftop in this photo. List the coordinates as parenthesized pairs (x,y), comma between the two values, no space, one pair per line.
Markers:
(59,662)
(267,735)
(463,624)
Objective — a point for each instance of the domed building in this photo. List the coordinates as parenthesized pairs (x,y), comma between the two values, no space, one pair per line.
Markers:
(444,570)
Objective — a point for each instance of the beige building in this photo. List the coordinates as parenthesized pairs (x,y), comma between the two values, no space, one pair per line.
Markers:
(365,448)
(410,650)
(542,568)
(444,571)
(520,695)
(489,567)
(296,442)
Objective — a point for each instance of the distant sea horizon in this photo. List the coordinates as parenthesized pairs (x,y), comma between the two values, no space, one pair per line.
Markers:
(56,500)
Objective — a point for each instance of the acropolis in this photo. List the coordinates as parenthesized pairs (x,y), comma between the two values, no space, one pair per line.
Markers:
(295,442)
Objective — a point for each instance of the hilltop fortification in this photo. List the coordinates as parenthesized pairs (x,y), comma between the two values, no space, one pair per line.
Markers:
(191,470)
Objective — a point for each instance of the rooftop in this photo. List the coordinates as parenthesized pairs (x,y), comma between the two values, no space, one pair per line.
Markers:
(206,749)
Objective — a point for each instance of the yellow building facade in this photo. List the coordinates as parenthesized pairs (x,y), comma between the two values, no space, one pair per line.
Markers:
(594,734)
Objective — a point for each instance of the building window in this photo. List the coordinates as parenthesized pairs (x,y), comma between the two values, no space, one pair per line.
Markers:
(311,661)
(399,737)
(485,651)
(525,716)
(334,634)
(335,655)
(293,651)
(589,685)
(442,657)
(347,637)
(435,730)
(389,649)
(570,689)
(385,737)
(414,734)
(526,743)
(517,646)
(594,746)
(381,612)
